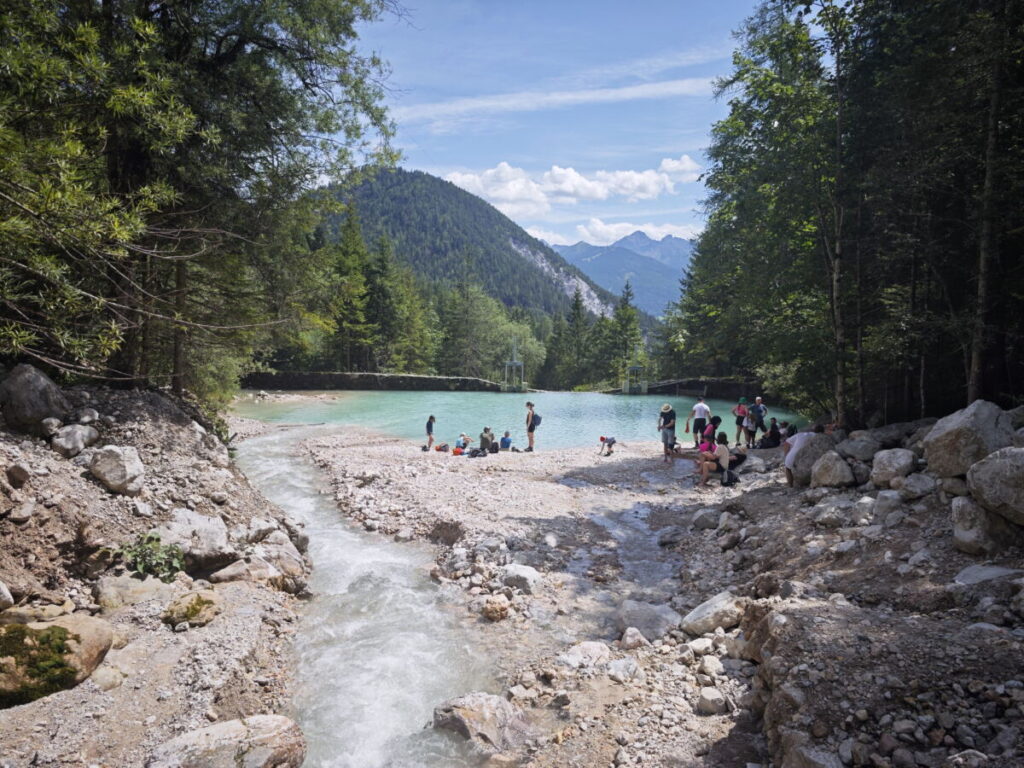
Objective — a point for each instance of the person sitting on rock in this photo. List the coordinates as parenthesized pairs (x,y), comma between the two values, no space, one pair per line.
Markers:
(772,438)
(714,461)
(506,441)
(486,438)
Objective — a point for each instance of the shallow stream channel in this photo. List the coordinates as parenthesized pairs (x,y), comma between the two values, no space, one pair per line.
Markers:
(380,644)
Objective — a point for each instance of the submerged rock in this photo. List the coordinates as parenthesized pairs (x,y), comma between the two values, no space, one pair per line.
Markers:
(653,621)
(489,722)
(260,741)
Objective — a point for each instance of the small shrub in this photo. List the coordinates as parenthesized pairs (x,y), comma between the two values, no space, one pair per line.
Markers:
(149,557)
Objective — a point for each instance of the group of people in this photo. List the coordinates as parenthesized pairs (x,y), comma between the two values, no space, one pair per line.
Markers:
(489,442)
(713,442)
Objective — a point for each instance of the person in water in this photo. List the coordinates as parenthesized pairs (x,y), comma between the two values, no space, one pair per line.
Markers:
(430,431)
(531,425)
(606,446)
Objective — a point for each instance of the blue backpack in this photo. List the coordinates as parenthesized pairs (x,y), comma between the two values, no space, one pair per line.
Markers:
(536,420)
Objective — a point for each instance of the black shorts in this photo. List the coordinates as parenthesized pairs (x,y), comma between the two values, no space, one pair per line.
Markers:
(698,426)
(531,428)
(739,421)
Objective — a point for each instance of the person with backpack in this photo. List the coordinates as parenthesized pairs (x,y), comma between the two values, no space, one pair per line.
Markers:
(532,422)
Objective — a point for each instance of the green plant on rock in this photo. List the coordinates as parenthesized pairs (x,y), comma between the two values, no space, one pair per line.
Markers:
(149,557)
(41,653)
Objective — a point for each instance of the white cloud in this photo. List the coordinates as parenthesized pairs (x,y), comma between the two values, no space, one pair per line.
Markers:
(516,193)
(509,189)
(549,237)
(599,232)
(649,66)
(534,101)
(685,169)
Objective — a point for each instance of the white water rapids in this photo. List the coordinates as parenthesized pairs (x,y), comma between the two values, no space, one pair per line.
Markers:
(379,645)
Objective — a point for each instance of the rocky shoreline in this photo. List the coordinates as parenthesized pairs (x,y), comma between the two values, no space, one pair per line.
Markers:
(192,671)
(872,616)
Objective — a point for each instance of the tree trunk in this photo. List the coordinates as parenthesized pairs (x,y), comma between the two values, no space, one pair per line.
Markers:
(180,284)
(986,245)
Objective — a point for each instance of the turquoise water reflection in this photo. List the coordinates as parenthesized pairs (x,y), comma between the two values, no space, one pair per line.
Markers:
(570,419)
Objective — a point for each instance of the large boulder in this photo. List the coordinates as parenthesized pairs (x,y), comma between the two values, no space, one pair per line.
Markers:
(490,722)
(6,600)
(73,439)
(27,396)
(831,471)
(259,741)
(977,531)
(724,610)
(652,620)
(894,462)
(860,448)
(966,437)
(813,449)
(997,482)
(119,468)
(204,540)
(113,592)
(41,658)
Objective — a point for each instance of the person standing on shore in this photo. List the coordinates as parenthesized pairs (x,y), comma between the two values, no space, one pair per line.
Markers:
(532,420)
(667,427)
(430,431)
(757,412)
(700,415)
(740,412)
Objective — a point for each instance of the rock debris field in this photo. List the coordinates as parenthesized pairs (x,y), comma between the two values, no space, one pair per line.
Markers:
(871,616)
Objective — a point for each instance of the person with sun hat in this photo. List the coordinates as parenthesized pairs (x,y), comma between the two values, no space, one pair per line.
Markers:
(667,427)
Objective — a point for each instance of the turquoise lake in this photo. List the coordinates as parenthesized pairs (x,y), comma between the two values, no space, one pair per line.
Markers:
(569,419)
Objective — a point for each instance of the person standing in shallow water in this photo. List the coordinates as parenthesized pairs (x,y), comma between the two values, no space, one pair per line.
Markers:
(530,425)
(430,431)
(667,428)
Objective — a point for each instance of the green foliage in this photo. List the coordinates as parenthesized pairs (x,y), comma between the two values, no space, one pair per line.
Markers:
(154,160)
(151,558)
(853,203)
(42,654)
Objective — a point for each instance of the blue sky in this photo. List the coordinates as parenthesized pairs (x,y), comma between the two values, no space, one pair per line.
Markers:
(579,120)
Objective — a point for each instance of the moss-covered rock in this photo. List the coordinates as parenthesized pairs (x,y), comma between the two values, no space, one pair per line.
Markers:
(198,608)
(41,658)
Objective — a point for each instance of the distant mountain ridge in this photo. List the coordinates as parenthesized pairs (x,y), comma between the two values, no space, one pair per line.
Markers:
(447,234)
(653,267)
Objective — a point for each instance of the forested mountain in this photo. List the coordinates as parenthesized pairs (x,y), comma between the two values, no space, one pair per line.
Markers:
(447,234)
(863,250)
(654,284)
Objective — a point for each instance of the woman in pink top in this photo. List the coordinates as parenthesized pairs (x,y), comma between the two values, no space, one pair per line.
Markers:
(740,412)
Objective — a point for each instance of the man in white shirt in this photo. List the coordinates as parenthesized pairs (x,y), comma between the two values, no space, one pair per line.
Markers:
(791,447)
(700,415)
